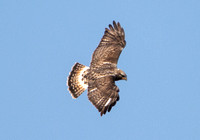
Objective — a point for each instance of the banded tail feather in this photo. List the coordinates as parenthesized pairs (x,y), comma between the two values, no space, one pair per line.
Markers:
(76,82)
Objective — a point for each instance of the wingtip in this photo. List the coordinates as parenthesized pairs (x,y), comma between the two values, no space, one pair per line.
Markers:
(111,27)
(102,113)
(114,22)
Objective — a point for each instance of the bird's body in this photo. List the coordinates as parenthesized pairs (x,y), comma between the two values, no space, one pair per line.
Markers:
(100,77)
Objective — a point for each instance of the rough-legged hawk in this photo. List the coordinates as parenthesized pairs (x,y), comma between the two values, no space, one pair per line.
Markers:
(100,77)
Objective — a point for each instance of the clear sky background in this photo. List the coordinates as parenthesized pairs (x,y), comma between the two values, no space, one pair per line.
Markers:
(40,40)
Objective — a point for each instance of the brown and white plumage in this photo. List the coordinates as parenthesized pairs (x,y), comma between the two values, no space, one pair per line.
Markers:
(110,46)
(100,77)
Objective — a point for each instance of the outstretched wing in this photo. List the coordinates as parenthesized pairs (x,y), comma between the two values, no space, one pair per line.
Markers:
(103,93)
(110,46)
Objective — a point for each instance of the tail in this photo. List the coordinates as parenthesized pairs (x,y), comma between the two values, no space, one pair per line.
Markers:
(76,82)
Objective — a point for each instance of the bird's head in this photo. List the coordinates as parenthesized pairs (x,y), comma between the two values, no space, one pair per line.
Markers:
(120,75)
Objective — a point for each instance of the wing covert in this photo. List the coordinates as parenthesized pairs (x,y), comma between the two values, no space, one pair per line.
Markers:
(110,46)
(103,93)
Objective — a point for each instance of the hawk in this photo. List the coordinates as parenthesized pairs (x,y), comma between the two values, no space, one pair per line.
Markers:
(100,77)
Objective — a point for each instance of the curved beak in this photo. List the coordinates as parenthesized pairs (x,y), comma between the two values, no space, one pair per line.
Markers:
(124,78)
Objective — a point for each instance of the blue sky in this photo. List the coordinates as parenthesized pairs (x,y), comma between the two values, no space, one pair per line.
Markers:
(40,40)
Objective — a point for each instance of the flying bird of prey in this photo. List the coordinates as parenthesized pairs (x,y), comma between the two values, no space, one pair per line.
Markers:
(100,77)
